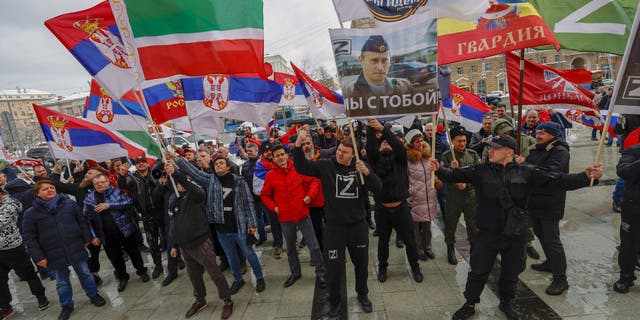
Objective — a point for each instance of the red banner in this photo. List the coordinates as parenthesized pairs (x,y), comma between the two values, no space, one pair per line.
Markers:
(546,86)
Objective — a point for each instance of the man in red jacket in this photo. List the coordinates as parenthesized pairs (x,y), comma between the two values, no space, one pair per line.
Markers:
(287,193)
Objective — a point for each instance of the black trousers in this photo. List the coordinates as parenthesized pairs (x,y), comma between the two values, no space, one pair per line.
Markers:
(548,231)
(94,258)
(317,219)
(113,245)
(398,218)
(629,241)
(484,250)
(354,237)
(153,230)
(17,259)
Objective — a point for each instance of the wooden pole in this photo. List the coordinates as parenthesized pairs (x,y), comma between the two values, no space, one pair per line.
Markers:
(355,146)
(446,128)
(434,123)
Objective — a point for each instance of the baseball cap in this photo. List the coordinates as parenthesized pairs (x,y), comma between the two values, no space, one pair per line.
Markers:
(503,141)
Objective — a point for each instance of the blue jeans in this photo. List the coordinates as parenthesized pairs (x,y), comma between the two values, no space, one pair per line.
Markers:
(618,190)
(262,233)
(276,228)
(63,284)
(228,242)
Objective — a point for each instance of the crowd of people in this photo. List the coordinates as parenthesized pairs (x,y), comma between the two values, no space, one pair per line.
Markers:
(206,213)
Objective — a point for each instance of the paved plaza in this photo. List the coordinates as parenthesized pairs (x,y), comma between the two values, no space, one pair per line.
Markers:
(589,232)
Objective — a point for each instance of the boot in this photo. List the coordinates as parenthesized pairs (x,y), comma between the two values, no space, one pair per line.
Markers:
(557,286)
(465,312)
(624,283)
(451,255)
(507,309)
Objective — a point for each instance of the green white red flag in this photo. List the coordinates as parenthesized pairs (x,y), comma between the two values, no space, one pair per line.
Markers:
(192,38)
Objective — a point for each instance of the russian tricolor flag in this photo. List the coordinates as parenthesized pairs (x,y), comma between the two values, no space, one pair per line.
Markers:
(323,101)
(465,108)
(77,139)
(93,38)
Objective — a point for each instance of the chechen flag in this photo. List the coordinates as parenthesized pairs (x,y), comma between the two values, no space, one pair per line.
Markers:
(77,139)
(465,108)
(93,38)
(249,99)
(193,38)
(323,101)
(546,86)
(126,116)
(503,28)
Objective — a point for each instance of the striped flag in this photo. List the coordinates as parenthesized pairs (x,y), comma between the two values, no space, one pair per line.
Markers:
(93,38)
(465,108)
(193,38)
(323,101)
(126,116)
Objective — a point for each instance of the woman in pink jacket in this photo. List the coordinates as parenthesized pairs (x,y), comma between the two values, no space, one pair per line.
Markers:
(423,197)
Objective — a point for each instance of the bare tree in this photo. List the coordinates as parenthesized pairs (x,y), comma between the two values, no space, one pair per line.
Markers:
(319,73)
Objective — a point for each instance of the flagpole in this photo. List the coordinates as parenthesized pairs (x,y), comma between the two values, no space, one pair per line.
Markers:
(520,88)
(69,168)
(355,146)
(145,128)
(506,83)
(446,128)
(434,123)
(24,173)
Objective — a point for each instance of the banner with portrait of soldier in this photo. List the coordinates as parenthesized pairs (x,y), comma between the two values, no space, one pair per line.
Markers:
(389,70)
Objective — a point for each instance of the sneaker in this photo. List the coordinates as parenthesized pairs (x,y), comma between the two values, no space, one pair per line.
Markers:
(97,300)
(422,256)
(465,312)
(181,264)
(5,313)
(417,275)
(532,252)
(169,279)
(365,303)
(557,286)
(399,244)
(429,253)
(195,308)
(260,285)
(97,279)
(43,302)
(227,310)
(542,267)
(65,313)
(157,271)
(508,311)
(236,286)
(623,284)
(382,274)
(277,252)
(145,277)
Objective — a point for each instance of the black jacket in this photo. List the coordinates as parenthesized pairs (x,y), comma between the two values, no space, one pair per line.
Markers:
(188,221)
(58,235)
(343,194)
(476,140)
(548,203)
(391,167)
(629,170)
(519,180)
(142,192)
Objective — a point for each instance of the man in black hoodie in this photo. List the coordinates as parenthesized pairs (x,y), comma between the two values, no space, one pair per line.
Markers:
(346,217)
(389,161)
(546,205)
(190,233)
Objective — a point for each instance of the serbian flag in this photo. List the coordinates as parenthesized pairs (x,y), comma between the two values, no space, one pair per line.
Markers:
(193,38)
(546,86)
(590,120)
(165,101)
(93,38)
(249,99)
(272,123)
(77,139)
(503,28)
(126,116)
(465,108)
(292,91)
(323,101)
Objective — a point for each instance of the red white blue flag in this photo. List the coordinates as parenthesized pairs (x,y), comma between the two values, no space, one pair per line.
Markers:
(465,108)
(93,38)
(76,139)
(323,101)
(292,90)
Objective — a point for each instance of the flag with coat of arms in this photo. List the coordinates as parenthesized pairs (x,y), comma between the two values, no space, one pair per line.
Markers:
(324,102)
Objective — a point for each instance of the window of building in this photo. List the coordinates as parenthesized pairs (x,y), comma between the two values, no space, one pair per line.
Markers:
(501,65)
(474,69)
(488,66)
(460,71)
(543,59)
(482,87)
(557,58)
(501,85)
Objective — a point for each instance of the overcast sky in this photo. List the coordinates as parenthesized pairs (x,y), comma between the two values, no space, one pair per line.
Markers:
(31,57)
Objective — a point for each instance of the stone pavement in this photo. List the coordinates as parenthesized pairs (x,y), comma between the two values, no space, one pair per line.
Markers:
(589,232)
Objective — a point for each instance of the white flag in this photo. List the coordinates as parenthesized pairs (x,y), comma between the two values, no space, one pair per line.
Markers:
(383,12)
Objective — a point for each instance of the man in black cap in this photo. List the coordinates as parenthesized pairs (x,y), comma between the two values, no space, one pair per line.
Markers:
(502,188)
(547,205)
(373,81)
(461,197)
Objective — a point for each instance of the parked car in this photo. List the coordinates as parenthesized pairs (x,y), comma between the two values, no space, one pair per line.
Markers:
(39,153)
(413,71)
